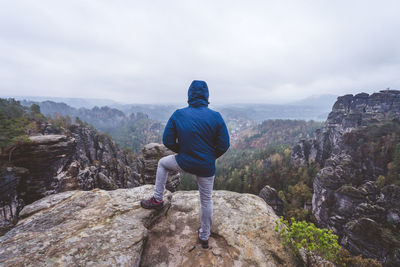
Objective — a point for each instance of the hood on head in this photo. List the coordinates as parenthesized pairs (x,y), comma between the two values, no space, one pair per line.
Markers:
(198,94)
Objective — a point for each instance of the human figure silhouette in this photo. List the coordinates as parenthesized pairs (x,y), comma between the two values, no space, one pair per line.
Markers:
(199,136)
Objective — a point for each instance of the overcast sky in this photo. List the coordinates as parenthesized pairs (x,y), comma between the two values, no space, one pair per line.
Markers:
(150,51)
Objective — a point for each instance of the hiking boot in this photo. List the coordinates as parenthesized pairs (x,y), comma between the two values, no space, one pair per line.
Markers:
(204,243)
(151,203)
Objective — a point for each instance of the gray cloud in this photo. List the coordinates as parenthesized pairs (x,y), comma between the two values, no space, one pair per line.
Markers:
(149,51)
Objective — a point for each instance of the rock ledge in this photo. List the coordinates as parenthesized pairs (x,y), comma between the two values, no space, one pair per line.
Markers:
(109,228)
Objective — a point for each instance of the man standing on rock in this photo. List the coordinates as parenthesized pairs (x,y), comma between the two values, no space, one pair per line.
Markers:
(199,136)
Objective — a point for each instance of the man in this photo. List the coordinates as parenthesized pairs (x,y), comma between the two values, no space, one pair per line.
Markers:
(199,136)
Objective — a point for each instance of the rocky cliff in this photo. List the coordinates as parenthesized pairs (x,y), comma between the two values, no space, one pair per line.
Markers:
(108,228)
(347,196)
(76,158)
(348,112)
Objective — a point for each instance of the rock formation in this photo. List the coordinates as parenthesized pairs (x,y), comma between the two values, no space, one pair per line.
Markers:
(348,113)
(148,161)
(272,198)
(346,197)
(108,228)
(84,159)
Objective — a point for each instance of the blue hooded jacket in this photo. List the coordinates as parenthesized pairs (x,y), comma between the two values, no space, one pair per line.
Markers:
(198,134)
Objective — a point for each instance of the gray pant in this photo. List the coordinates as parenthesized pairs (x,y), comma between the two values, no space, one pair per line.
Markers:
(205,184)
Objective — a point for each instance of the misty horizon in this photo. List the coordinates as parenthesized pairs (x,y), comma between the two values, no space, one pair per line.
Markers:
(112,101)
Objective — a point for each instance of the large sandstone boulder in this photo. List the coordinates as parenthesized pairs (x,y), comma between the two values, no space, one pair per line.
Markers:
(109,228)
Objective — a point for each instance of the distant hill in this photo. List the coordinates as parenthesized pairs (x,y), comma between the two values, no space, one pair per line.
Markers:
(324,102)
(156,112)
(262,112)
(73,102)
(311,108)
(276,132)
(160,112)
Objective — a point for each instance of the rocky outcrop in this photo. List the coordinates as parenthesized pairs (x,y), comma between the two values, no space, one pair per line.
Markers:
(348,113)
(108,228)
(79,159)
(346,197)
(272,198)
(148,161)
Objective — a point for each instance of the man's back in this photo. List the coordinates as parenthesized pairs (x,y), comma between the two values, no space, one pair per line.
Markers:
(201,132)
(199,136)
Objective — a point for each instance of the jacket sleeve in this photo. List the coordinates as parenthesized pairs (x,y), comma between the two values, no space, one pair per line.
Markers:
(170,135)
(222,143)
